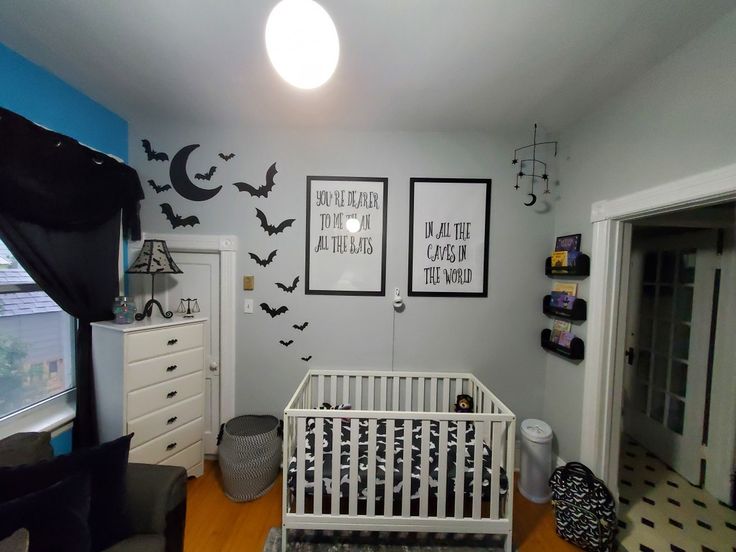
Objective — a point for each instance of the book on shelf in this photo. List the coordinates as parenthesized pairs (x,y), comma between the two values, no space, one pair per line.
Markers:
(559,259)
(558,328)
(568,243)
(570,288)
(565,339)
(561,300)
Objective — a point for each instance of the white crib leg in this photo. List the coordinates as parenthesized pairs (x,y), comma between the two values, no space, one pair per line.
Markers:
(508,545)
(284,546)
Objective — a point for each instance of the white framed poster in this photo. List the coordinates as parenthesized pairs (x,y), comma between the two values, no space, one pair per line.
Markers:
(346,235)
(449,221)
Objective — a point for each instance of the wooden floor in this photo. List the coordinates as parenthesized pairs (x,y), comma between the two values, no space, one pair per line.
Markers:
(216,524)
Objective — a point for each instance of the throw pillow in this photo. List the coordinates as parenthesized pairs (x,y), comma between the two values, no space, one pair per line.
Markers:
(106,466)
(55,517)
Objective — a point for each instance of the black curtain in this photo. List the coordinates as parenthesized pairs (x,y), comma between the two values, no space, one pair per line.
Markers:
(60,214)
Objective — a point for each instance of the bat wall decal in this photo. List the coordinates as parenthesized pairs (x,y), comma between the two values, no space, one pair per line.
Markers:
(263,262)
(226,156)
(286,343)
(273,229)
(300,327)
(263,190)
(207,175)
(307,359)
(288,289)
(158,188)
(153,155)
(177,220)
(274,312)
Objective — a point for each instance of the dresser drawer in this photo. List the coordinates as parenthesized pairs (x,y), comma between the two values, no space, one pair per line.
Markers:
(161,395)
(168,444)
(152,343)
(163,368)
(157,423)
(187,458)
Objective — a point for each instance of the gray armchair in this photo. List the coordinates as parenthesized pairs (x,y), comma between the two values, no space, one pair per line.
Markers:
(157,495)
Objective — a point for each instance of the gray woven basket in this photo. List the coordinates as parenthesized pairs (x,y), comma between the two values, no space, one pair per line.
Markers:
(249,455)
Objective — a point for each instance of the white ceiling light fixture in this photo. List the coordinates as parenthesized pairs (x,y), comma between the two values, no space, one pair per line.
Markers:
(302,43)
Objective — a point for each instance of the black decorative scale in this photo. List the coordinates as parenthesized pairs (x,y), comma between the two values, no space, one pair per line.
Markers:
(536,165)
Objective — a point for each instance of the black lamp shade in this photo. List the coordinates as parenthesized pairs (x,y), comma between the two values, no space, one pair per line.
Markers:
(154,258)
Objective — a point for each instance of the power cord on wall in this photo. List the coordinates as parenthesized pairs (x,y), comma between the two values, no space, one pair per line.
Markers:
(398,305)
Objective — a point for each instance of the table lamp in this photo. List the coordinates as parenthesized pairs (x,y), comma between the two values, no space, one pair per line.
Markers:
(154,258)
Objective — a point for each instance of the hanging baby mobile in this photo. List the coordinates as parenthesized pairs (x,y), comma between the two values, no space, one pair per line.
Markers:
(538,168)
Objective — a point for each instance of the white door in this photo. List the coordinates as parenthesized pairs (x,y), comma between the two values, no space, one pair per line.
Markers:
(668,336)
(200,279)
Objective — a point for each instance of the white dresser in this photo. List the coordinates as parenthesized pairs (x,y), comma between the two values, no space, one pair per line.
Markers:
(149,380)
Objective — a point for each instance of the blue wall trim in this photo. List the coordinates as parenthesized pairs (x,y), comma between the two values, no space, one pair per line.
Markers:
(38,95)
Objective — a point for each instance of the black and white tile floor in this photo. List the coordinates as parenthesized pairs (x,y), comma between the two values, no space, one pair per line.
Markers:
(660,511)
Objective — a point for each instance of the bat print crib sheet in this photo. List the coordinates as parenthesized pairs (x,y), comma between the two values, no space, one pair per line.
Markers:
(398,445)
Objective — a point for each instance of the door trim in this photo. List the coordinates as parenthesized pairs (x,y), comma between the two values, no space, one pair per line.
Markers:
(607,250)
(227,247)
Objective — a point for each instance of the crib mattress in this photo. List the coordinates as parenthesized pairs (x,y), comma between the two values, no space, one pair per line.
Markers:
(398,467)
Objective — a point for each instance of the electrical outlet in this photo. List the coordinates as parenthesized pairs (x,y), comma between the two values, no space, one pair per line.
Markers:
(248,306)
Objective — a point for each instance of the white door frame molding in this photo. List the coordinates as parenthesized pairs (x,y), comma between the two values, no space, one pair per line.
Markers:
(608,245)
(227,248)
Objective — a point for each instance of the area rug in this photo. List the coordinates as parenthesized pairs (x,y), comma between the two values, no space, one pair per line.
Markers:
(347,541)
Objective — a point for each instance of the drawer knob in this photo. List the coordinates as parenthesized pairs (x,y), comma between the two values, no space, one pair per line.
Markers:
(171,394)
(172,420)
(171,446)
(171,368)
(172,342)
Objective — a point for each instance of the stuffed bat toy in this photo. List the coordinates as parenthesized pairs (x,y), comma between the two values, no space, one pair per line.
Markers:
(464,403)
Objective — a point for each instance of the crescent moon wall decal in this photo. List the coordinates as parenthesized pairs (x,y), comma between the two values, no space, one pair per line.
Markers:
(180,180)
(532,201)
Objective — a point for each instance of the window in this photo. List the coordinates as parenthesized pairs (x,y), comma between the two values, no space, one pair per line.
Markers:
(36,342)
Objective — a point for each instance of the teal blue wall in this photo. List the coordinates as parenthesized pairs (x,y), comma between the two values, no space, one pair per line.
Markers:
(34,93)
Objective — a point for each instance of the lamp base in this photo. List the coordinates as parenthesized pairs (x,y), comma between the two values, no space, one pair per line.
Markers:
(148,310)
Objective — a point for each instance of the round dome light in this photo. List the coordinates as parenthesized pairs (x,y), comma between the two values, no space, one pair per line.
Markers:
(352,225)
(302,43)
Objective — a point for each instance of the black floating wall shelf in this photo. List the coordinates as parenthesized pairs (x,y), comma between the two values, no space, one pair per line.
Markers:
(576,351)
(580,268)
(578,312)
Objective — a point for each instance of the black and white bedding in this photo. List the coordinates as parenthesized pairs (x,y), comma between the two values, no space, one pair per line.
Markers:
(398,467)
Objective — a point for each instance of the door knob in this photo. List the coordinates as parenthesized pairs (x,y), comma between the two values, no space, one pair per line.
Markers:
(214,366)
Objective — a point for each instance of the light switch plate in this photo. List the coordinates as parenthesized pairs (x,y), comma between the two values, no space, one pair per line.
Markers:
(248,306)
(249,283)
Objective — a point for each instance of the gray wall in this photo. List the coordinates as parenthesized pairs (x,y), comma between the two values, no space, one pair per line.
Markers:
(678,120)
(496,338)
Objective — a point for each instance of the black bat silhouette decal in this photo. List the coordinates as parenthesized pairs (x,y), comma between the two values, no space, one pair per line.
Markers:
(286,343)
(300,327)
(153,155)
(263,262)
(273,229)
(274,312)
(288,289)
(177,220)
(307,359)
(263,190)
(226,156)
(207,175)
(158,188)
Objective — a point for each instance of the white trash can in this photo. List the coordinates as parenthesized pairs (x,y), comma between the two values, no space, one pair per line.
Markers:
(536,460)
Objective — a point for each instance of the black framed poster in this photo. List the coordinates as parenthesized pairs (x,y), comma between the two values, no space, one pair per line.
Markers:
(449,221)
(346,235)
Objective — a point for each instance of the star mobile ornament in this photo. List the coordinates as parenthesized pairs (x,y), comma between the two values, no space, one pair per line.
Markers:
(538,168)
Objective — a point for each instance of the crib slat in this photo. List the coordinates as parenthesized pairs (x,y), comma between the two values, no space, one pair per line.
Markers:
(496,468)
(458,388)
(371,505)
(510,438)
(318,453)
(442,471)
(358,392)
(460,471)
(395,385)
(424,471)
(433,395)
(388,485)
(333,390)
(407,404)
(445,407)
(336,462)
(478,468)
(320,390)
(420,395)
(353,470)
(406,476)
(345,390)
(371,393)
(383,393)
(300,467)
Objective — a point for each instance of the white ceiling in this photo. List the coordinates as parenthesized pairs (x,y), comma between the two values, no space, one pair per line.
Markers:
(405,64)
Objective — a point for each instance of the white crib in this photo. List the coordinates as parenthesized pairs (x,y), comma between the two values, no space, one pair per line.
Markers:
(408,402)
